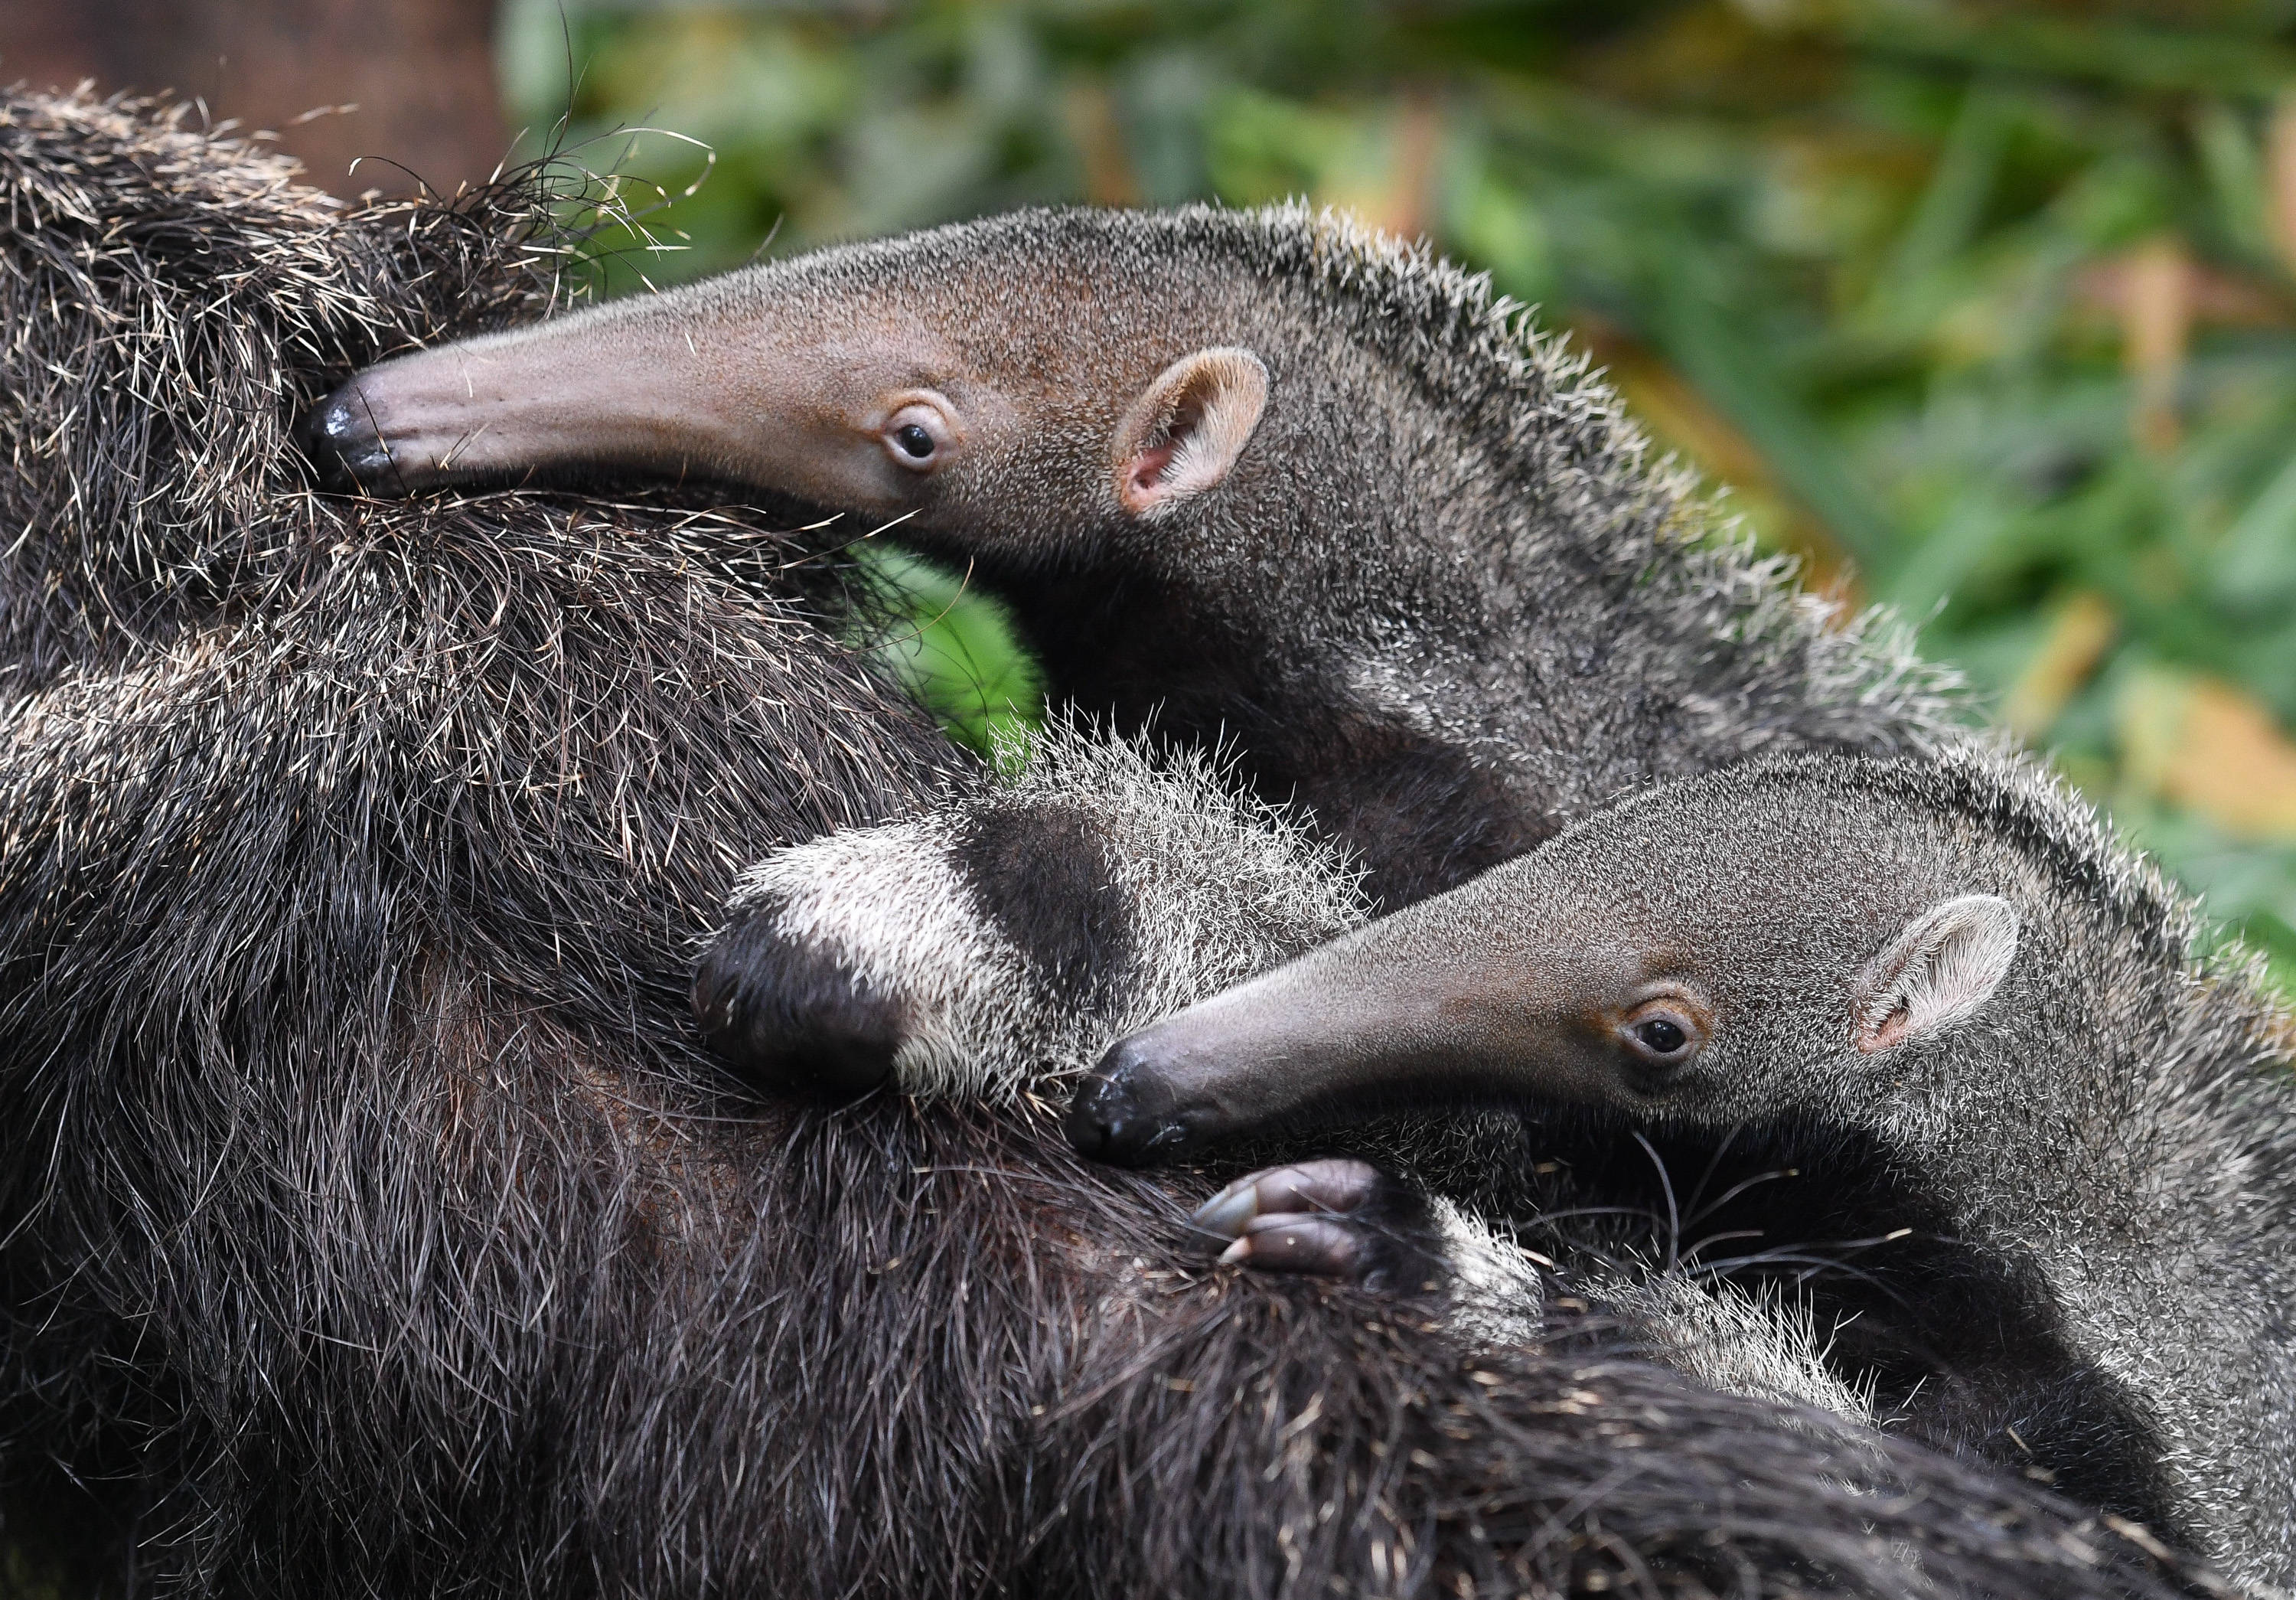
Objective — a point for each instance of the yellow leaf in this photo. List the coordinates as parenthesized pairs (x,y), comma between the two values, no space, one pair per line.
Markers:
(2213,749)
(2077,638)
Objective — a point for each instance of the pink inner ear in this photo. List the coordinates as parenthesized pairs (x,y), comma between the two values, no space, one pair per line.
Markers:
(1181,436)
(1894,1026)
(1146,475)
(1148,480)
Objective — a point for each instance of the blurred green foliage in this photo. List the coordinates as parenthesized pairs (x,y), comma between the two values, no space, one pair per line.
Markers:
(1986,309)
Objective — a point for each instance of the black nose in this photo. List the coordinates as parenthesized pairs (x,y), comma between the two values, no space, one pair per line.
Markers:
(340,438)
(1096,1125)
(1120,1115)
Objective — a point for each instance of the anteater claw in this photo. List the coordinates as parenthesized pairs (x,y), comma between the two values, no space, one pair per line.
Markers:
(1316,1246)
(1312,1217)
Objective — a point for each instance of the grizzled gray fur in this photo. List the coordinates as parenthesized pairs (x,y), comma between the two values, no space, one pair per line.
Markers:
(370,1221)
(1951,963)
(1263,480)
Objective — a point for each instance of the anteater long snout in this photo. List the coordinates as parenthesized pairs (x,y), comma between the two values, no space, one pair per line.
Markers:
(1465,997)
(1324,1039)
(586,392)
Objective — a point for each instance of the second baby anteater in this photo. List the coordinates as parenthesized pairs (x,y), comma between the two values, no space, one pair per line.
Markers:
(2074,1140)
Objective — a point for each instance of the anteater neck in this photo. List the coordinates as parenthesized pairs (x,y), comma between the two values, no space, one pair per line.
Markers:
(1420,811)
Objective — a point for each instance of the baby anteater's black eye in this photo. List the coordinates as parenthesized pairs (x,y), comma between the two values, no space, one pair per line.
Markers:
(1663,1033)
(921,435)
(1662,1036)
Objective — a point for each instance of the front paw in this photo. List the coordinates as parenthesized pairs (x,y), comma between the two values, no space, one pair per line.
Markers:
(864,960)
(786,1012)
(1334,1218)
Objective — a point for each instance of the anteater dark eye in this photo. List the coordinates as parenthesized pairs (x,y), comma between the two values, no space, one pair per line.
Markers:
(921,435)
(1664,1034)
(1660,1036)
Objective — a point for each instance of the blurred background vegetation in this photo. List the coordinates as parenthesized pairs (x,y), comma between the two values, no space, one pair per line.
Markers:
(1987,311)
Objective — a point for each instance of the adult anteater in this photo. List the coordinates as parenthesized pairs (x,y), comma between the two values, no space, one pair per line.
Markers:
(371,1226)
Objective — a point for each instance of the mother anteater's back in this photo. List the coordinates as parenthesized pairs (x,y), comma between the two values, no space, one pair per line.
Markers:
(370,1223)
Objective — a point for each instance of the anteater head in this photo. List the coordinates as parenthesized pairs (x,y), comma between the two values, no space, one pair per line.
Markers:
(1799,939)
(1036,380)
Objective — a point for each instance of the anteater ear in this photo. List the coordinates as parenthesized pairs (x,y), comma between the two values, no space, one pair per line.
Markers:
(1937,973)
(1186,428)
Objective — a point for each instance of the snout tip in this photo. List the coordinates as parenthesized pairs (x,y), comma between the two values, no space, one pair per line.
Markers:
(1119,1117)
(345,446)
(1098,1128)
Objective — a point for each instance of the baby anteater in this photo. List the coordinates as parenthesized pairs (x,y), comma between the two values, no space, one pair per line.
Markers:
(1951,967)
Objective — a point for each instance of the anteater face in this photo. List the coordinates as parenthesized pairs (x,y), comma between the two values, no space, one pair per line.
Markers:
(1698,958)
(1024,381)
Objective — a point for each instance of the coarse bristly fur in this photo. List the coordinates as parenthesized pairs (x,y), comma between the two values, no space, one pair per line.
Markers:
(2075,1135)
(372,1227)
(370,1223)
(1437,598)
